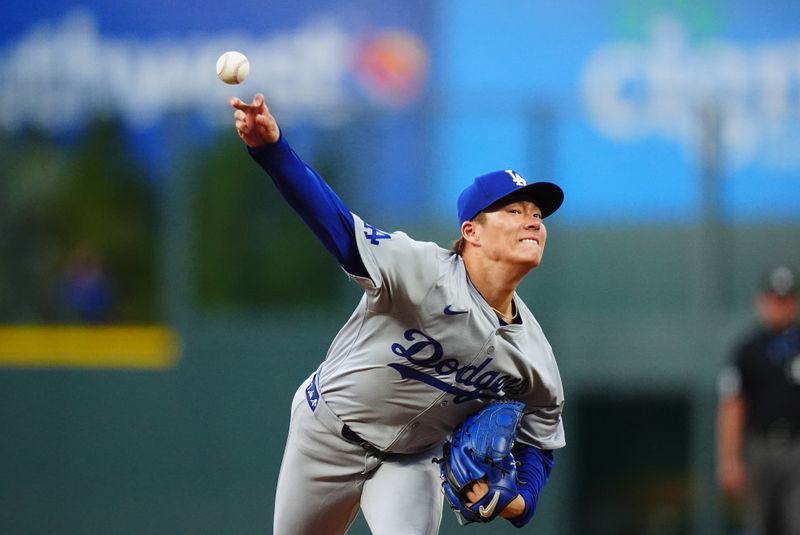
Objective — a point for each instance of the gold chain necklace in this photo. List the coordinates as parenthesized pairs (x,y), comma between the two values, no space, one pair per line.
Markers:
(504,317)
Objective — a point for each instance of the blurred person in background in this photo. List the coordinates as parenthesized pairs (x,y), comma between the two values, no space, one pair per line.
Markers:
(86,287)
(759,413)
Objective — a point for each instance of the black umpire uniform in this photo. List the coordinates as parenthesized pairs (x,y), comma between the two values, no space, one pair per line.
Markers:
(763,380)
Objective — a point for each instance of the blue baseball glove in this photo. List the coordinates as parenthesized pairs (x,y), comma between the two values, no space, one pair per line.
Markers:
(480,448)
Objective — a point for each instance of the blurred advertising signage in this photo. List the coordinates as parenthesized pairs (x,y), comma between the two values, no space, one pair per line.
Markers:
(58,74)
(659,88)
(133,347)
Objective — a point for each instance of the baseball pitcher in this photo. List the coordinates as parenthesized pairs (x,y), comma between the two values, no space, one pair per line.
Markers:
(440,361)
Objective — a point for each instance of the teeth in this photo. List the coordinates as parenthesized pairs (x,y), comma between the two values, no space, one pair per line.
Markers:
(529,241)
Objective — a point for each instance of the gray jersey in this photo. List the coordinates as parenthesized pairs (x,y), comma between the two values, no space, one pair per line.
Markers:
(423,349)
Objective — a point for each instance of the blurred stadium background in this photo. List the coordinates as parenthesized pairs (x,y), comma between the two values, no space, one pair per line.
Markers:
(159,304)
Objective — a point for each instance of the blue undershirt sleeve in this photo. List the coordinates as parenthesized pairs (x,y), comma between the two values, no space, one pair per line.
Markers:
(533,473)
(314,200)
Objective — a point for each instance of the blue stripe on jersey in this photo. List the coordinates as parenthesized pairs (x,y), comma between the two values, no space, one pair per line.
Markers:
(533,473)
(314,200)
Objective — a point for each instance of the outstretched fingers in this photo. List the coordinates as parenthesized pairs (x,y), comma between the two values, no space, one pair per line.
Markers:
(253,122)
(256,106)
(237,103)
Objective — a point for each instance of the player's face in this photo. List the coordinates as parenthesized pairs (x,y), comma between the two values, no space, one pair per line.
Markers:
(776,311)
(514,233)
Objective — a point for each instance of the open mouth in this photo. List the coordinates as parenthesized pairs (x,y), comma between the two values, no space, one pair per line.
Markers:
(530,240)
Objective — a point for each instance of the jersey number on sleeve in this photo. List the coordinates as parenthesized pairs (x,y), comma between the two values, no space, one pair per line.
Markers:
(375,234)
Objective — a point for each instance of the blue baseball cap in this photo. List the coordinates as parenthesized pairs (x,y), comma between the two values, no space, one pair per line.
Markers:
(493,187)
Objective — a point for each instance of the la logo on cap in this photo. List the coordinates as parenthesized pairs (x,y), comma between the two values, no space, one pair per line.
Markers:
(517,178)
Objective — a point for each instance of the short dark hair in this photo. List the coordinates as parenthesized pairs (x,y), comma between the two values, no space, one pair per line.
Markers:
(458,246)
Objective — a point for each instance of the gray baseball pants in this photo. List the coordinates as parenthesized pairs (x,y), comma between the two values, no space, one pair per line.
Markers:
(324,479)
(773,475)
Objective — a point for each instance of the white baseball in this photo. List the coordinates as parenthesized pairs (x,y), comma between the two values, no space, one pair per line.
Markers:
(233,67)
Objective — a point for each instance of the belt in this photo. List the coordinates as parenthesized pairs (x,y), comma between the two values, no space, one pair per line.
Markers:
(351,436)
(330,420)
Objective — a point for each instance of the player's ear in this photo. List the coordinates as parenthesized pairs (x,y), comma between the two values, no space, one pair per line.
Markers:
(469,231)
